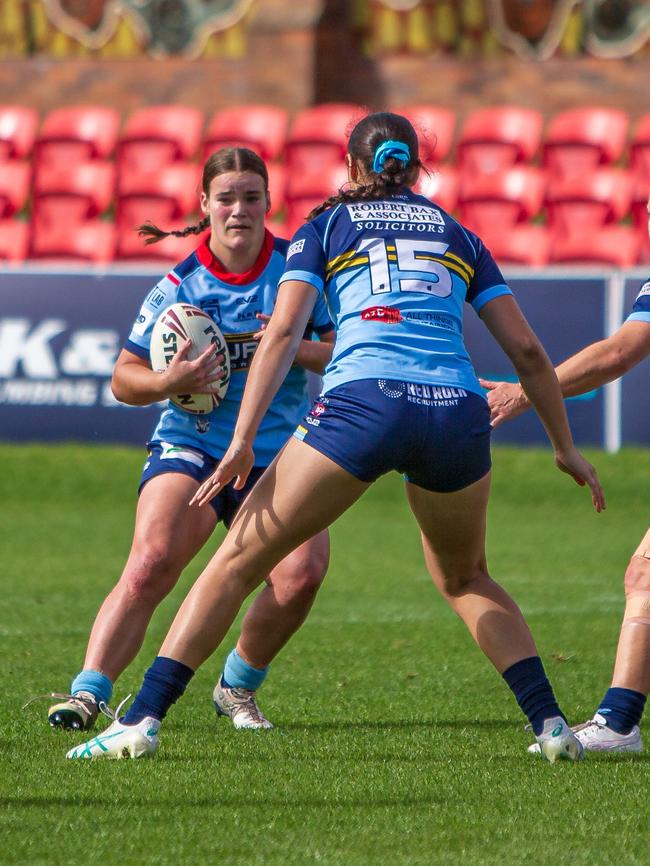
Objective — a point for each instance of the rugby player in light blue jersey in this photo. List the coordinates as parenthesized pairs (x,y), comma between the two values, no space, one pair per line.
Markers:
(615,724)
(399,393)
(233,275)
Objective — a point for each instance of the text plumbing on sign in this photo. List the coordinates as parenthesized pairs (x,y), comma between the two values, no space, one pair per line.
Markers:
(46,363)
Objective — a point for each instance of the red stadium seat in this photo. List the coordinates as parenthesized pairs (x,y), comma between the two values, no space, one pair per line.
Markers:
(278,228)
(581,139)
(76,134)
(307,190)
(73,194)
(641,218)
(159,135)
(171,249)
(262,128)
(588,200)
(18,127)
(501,200)
(14,240)
(496,138)
(277,189)
(640,149)
(319,135)
(166,197)
(519,245)
(613,245)
(92,241)
(15,179)
(440,186)
(435,129)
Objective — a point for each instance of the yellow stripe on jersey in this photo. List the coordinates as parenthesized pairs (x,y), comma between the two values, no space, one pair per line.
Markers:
(337,259)
(468,268)
(343,266)
(237,338)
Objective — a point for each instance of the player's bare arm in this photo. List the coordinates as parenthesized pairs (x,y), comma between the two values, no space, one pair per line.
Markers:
(135,383)
(508,326)
(312,355)
(592,367)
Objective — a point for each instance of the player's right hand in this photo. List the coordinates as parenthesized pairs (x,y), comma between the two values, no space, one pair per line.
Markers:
(583,473)
(193,377)
(505,399)
(236,464)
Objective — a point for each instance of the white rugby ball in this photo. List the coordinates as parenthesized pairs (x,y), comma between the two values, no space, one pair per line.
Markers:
(179,324)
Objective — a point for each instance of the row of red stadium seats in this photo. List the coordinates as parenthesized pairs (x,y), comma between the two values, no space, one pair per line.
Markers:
(488,140)
(102,242)
(487,204)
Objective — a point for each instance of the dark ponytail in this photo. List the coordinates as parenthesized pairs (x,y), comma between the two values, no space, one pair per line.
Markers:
(391,173)
(221,162)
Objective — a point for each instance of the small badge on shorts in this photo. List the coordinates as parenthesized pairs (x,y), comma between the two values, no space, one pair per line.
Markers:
(300,432)
(391,389)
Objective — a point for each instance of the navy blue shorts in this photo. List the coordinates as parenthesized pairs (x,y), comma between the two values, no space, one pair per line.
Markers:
(166,457)
(437,436)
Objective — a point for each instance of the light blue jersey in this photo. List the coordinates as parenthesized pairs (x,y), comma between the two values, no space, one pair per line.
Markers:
(396,274)
(641,308)
(233,301)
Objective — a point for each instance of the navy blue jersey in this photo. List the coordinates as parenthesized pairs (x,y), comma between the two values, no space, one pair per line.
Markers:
(396,274)
(641,308)
(233,301)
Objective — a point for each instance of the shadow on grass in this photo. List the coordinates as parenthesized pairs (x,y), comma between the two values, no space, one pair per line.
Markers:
(218,802)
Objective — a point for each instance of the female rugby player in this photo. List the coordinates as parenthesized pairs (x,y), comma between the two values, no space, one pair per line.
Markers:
(233,275)
(399,393)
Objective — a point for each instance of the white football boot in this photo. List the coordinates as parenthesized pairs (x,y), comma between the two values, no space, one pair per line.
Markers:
(240,706)
(596,736)
(121,741)
(557,741)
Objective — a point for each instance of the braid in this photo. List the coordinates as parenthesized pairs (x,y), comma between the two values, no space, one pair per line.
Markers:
(153,234)
(392,177)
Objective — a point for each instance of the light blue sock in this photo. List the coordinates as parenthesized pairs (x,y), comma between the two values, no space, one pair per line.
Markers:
(97,684)
(238,674)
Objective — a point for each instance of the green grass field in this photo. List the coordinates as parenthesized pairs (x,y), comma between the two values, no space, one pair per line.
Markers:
(396,743)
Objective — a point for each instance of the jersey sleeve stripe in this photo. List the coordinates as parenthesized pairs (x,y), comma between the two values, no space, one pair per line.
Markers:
(132,347)
(639,316)
(173,278)
(488,295)
(303,277)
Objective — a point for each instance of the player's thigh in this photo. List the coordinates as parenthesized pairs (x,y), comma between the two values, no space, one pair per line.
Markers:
(165,521)
(452,526)
(299,495)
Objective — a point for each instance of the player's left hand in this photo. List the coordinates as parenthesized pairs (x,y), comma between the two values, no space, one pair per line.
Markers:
(505,399)
(264,319)
(574,464)
(236,463)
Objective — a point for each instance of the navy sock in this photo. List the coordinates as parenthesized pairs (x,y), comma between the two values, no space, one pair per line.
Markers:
(622,708)
(163,684)
(533,691)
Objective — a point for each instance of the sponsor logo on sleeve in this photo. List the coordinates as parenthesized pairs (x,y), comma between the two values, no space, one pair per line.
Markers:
(295,248)
(645,290)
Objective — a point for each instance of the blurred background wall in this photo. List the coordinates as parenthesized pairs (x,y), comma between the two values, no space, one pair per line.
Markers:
(547,54)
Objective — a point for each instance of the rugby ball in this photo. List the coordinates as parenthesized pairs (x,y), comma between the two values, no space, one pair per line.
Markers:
(179,324)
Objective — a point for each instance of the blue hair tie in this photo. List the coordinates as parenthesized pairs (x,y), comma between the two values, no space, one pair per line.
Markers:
(386,150)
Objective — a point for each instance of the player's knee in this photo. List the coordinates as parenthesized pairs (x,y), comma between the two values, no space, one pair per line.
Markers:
(637,575)
(301,577)
(459,580)
(150,575)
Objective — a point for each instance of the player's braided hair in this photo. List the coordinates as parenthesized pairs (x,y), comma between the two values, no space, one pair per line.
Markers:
(393,174)
(222,161)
